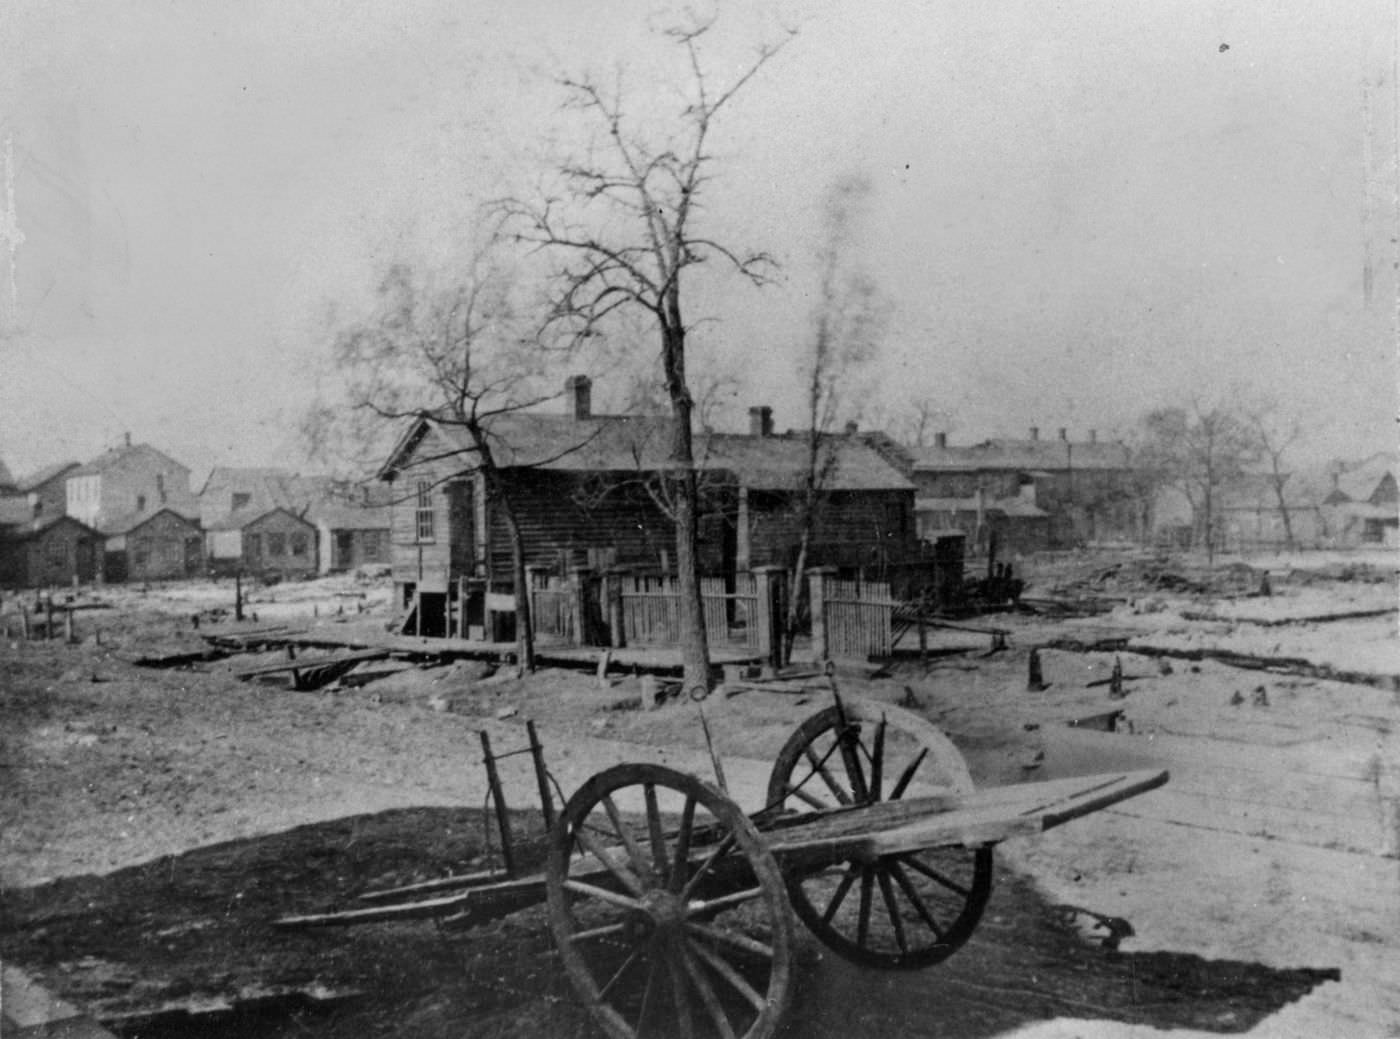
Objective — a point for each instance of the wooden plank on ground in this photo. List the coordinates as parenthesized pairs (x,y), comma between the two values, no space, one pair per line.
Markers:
(311,663)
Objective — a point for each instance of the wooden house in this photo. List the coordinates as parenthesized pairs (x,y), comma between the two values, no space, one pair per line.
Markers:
(351,536)
(46,490)
(586,491)
(1362,508)
(160,547)
(133,480)
(232,498)
(279,544)
(48,550)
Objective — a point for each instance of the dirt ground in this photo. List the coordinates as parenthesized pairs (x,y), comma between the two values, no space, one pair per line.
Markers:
(154,821)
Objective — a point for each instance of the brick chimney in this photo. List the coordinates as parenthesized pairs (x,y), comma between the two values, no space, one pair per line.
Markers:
(761,421)
(1035,432)
(579,390)
(940,440)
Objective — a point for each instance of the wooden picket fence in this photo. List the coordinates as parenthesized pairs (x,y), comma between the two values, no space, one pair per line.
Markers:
(552,608)
(859,619)
(651,610)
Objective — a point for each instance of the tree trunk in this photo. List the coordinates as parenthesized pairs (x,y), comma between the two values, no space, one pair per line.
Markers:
(524,620)
(695,646)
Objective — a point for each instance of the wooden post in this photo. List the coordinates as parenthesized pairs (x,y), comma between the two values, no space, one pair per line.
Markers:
(612,593)
(541,776)
(817,579)
(68,636)
(767,581)
(48,618)
(24,623)
(1035,680)
(578,588)
(493,780)
(238,594)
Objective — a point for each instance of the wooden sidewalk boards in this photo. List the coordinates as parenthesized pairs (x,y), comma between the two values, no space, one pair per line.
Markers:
(28,1011)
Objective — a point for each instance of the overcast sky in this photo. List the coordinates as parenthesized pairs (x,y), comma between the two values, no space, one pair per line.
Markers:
(1081,210)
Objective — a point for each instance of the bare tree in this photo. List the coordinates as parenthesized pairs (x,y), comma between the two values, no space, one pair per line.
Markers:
(623,229)
(847,322)
(1274,434)
(1200,450)
(458,350)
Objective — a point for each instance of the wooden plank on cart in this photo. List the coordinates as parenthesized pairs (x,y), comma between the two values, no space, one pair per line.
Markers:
(309,663)
(981,817)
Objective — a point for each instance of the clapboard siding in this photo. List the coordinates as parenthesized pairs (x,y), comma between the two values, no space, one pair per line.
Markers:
(852,530)
(430,563)
(564,516)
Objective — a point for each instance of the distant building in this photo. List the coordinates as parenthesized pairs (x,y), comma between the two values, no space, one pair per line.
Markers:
(1362,506)
(162,546)
(48,550)
(128,482)
(1029,494)
(47,489)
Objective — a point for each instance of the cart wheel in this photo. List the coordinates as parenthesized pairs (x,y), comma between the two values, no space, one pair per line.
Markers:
(900,911)
(668,910)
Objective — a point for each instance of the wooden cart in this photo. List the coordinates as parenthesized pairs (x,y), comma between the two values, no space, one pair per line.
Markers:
(672,910)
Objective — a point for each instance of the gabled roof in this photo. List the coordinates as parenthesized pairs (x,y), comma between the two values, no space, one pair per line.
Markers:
(266,488)
(133,521)
(35,480)
(6,478)
(1001,453)
(633,443)
(37,525)
(115,456)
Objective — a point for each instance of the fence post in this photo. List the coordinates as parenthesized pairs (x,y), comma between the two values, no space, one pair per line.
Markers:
(767,582)
(817,578)
(578,588)
(612,593)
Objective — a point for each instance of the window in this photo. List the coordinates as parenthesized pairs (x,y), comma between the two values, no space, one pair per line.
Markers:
(140,503)
(425,511)
(160,487)
(299,544)
(240,499)
(252,545)
(141,552)
(276,543)
(56,550)
(372,546)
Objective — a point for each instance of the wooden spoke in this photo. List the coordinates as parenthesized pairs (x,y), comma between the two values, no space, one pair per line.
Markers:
(631,959)
(912,861)
(682,856)
(678,990)
(867,883)
(579,887)
(624,834)
(722,849)
(707,994)
(907,775)
(819,767)
(892,907)
(722,967)
(915,899)
(714,905)
(852,871)
(606,931)
(653,972)
(811,800)
(608,860)
(737,941)
(660,858)
(877,759)
(849,739)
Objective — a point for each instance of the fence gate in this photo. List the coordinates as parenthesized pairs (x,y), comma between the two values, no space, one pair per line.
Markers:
(552,607)
(651,610)
(858,619)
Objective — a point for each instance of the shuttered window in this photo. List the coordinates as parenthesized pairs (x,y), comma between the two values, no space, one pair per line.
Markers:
(425,511)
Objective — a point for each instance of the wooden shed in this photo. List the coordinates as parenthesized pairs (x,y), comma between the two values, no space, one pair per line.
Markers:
(50,550)
(162,547)
(279,544)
